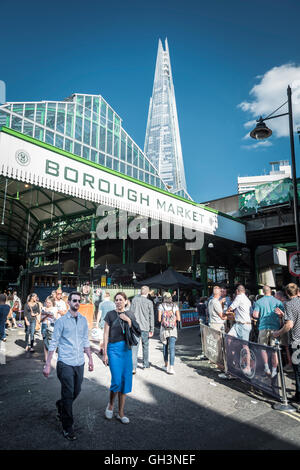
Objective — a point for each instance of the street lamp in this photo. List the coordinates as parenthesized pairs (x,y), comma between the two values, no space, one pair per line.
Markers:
(261,131)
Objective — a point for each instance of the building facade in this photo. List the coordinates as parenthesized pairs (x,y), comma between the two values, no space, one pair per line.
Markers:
(162,141)
(279,170)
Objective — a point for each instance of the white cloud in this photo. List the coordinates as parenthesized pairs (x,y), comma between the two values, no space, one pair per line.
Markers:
(271,93)
(258,145)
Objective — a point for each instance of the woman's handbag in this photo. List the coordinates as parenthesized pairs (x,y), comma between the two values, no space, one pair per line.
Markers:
(132,333)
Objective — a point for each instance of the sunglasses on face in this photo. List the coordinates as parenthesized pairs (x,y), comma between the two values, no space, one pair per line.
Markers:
(75,301)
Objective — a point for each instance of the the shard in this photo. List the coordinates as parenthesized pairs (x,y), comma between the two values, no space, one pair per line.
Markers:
(162,141)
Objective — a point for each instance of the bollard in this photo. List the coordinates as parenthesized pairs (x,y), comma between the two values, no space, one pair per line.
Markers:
(284,406)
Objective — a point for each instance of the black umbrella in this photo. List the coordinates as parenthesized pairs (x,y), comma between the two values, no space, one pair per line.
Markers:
(170,279)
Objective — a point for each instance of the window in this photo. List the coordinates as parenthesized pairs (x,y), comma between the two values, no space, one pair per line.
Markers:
(59,141)
(116,164)
(102,138)
(29,111)
(28,128)
(116,146)
(87,131)
(93,155)
(68,145)
(95,130)
(88,102)
(60,120)
(77,149)
(108,162)
(78,128)
(40,113)
(101,158)
(129,151)
(49,137)
(85,152)
(50,121)
(16,123)
(96,107)
(39,133)
(109,142)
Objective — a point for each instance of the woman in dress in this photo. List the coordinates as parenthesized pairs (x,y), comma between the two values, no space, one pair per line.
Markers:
(31,311)
(118,356)
(168,316)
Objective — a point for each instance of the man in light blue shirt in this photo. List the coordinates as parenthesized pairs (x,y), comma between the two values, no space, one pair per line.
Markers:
(70,336)
(269,321)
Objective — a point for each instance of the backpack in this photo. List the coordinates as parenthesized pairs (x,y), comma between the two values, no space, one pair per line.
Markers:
(168,319)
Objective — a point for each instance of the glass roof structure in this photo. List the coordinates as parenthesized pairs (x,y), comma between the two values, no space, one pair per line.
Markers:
(162,141)
(84,125)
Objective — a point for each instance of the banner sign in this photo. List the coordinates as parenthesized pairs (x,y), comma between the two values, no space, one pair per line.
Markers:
(189,317)
(246,361)
(29,160)
(212,345)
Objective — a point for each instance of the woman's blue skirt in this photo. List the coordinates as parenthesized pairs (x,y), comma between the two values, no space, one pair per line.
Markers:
(120,364)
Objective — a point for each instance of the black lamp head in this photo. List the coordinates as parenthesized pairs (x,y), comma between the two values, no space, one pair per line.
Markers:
(261,131)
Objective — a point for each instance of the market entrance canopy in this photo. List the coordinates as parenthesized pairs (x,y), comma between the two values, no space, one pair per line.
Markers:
(170,279)
(33,162)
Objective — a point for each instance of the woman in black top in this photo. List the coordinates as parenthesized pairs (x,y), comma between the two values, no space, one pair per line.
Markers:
(117,354)
(31,311)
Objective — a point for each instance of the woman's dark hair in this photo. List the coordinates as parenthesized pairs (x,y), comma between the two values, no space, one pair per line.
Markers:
(122,294)
(30,296)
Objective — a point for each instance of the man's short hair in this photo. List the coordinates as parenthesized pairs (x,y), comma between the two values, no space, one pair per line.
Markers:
(145,290)
(216,288)
(107,294)
(267,289)
(241,288)
(73,293)
(2,298)
(291,289)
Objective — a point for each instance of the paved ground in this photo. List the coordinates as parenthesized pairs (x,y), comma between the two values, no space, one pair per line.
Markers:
(193,409)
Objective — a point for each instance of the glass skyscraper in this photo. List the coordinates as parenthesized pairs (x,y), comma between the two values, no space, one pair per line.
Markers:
(84,125)
(162,141)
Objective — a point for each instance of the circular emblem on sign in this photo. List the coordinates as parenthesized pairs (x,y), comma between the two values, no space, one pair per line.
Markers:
(248,367)
(22,157)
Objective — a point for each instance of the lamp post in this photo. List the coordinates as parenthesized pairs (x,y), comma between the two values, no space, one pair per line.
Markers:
(261,132)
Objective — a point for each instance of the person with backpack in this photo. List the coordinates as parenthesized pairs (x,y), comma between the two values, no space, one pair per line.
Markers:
(168,316)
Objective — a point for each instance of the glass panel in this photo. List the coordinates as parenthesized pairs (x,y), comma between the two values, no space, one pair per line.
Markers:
(29,111)
(39,133)
(49,137)
(40,113)
(60,118)
(96,107)
(123,150)
(116,146)
(68,145)
(95,131)
(141,160)
(109,142)
(59,141)
(117,125)
(147,166)
(103,113)
(16,123)
(129,170)
(79,99)
(135,173)
(135,156)
(78,128)
(122,168)
(101,158)
(4,119)
(77,149)
(102,138)
(129,151)
(79,110)
(86,152)
(110,117)
(116,164)
(147,176)
(18,108)
(50,121)
(108,162)
(93,155)
(152,180)
(88,102)
(70,120)
(87,131)
(28,128)
(141,175)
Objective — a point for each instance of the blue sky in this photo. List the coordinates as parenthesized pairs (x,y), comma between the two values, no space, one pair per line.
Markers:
(219,51)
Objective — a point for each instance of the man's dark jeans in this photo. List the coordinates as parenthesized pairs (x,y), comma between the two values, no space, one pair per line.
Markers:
(145,342)
(296,358)
(71,379)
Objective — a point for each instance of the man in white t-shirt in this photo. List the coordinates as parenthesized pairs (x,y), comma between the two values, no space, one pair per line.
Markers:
(215,310)
(242,310)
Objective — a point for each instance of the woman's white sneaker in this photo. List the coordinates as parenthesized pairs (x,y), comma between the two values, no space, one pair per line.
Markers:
(124,419)
(171,370)
(108,413)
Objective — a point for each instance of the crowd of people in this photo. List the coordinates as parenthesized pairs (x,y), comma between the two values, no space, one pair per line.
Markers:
(262,318)
(122,325)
